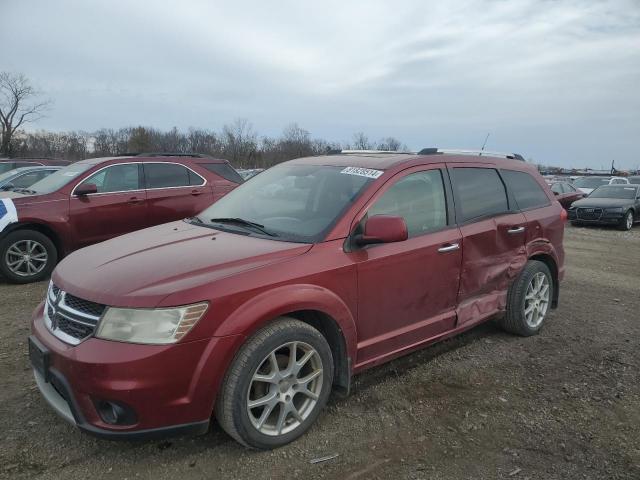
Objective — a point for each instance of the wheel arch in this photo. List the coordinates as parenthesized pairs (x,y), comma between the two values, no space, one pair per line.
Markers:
(311,304)
(41,228)
(551,263)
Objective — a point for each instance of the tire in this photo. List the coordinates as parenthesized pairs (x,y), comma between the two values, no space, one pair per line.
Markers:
(627,221)
(576,224)
(260,426)
(521,297)
(43,256)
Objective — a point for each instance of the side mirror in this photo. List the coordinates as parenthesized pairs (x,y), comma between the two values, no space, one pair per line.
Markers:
(86,189)
(383,229)
(7,187)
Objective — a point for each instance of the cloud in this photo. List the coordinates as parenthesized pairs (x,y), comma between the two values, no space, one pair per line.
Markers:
(555,80)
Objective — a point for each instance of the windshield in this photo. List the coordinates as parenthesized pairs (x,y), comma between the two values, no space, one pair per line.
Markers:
(614,192)
(60,178)
(5,166)
(8,175)
(591,182)
(297,203)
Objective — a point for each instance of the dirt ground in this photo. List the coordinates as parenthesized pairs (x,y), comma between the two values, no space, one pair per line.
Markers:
(562,405)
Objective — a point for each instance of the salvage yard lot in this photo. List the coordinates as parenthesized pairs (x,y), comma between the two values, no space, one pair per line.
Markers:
(564,404)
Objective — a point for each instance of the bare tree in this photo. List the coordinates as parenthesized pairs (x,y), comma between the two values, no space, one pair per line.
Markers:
(18,106)
(361,142)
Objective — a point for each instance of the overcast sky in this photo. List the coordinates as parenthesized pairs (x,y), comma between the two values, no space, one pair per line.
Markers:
(558,81)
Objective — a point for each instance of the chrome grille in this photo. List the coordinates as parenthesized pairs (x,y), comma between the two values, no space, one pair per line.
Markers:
(70,318)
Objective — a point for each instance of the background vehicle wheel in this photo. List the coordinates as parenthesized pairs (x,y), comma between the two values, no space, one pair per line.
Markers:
(627,221)
(27,256)
(528,300)
(277,385)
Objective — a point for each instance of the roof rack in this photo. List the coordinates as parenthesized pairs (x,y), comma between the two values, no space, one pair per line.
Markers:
(360,152)
(433,151)
(162,154)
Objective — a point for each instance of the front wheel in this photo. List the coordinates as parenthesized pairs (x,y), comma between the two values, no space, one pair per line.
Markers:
(528,300)
(627,221)
(27,256)
(277,385)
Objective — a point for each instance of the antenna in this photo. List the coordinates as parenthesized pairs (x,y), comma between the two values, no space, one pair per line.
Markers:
(485,143)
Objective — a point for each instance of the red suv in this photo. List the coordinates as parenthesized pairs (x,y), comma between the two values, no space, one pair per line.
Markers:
(311,272)
(97,199)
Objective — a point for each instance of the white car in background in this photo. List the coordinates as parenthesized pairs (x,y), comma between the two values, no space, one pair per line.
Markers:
(589,184)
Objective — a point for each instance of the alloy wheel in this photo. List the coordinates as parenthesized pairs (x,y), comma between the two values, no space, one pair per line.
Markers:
(26,258)
(536,300)
(629,220)
(285,388)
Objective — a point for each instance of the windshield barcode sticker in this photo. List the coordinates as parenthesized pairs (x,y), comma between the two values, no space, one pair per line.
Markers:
(362,172)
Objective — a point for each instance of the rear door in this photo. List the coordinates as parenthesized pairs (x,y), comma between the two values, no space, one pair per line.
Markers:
(174,191)
(493,240)
(119,206)
(407,290)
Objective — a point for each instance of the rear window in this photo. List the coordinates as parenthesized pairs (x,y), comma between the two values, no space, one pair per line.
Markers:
(479,192)
(224,170)
(527,192)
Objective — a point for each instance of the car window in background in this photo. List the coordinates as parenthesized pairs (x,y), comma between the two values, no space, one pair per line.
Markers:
(6,166)
(614,192)
(164,175)
(419,198)
(296,202)
(27,179)
(635,180)
(8,174)
(116,178)
(527,192)
(479,191)
(619,181)
(557,188)
(226,171)
(60,178)
(590,182)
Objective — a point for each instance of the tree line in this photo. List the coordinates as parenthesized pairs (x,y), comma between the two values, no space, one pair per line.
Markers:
(237,142)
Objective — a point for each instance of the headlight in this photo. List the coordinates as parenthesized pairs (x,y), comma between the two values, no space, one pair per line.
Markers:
(155,326)
(613,210)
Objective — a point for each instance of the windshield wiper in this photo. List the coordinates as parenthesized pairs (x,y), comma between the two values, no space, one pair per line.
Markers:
(245,223)
(25,190)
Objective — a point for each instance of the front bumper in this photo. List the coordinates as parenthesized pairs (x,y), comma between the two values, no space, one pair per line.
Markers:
(170,389)
(606,218)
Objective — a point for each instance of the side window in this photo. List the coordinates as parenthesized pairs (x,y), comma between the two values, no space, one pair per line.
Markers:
(568,188)
(225,171)
(164,175)
(116,178)
(557,188)
(479,192)
(527,192)
(419,198)
(618,181)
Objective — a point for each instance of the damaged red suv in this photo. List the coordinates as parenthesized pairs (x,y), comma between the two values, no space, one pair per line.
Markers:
(99,198)
(313,271)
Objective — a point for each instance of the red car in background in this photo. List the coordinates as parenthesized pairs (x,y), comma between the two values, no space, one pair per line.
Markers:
(96,199)
(7,164)
(566,193)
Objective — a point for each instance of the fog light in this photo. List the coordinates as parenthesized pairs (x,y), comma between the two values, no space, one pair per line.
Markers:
(115,413)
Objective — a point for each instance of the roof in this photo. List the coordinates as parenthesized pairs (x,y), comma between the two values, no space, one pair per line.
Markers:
(386,160)
(144,157)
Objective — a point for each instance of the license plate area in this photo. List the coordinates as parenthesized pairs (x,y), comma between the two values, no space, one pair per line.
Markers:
(39,357)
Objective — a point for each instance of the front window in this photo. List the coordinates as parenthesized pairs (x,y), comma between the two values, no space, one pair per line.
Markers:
(591,182)
(116,178)
(297,203)
(59,179)
(614,192)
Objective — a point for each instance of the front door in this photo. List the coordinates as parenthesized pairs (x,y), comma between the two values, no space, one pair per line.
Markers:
(407,290)
(119,206)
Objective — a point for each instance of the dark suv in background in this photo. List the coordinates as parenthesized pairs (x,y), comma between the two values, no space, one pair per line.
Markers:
(100,198)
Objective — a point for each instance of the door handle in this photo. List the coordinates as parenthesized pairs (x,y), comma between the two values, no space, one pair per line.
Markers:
(516,230)
(135,200)
(195,193)
(449,247)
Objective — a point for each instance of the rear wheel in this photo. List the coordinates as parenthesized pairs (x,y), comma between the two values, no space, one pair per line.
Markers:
(627,221)
(528,300)
(277,385)
(27,256)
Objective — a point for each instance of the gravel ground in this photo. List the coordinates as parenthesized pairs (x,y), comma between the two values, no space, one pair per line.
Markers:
(564,404)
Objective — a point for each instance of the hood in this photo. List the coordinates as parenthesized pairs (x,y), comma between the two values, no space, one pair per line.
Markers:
(602,202)
(142,268)
(32,199)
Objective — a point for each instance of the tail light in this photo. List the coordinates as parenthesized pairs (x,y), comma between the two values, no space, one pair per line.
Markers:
(563,215)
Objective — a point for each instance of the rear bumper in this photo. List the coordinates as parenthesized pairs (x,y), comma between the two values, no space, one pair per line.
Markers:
(168,389)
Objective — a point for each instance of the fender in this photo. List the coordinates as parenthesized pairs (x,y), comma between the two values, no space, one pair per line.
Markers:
(542,246)
(286,299)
